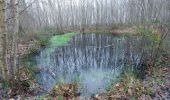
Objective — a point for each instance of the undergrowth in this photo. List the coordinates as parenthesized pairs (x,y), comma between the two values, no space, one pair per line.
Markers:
(129,85)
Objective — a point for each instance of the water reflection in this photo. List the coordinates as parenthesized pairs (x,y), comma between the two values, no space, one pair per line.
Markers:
(93,60)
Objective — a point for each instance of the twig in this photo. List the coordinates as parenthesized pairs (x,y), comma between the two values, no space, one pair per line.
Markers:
(20,13)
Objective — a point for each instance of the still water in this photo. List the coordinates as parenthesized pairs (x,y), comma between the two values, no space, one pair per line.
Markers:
(92,60)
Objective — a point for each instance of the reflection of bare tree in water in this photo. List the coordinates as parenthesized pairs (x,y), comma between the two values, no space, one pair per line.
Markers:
(98,56)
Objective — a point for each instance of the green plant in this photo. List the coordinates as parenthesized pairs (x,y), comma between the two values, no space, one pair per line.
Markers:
(156,22)
(5,84)
(131,86)
(148,33)
(60,98)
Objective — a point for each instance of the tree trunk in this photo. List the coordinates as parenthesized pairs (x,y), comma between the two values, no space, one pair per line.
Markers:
(15,33)
(3,66)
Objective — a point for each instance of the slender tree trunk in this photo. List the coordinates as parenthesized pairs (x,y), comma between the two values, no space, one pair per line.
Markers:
(15,33)
(3,66)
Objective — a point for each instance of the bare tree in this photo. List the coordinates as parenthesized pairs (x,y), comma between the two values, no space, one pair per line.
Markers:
(81,14)
(3,66)
(15,13)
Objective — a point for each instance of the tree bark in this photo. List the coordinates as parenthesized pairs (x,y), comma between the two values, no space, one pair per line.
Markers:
(3,66)
(15,33)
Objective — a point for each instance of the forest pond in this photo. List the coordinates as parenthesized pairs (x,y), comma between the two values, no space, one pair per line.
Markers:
(92,60)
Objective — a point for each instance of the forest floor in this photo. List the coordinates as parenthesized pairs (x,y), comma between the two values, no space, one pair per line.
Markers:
(159,86)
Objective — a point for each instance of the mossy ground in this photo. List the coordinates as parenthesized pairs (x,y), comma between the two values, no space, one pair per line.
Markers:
(60,40)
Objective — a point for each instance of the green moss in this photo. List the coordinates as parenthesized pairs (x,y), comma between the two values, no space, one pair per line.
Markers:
(60,40)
